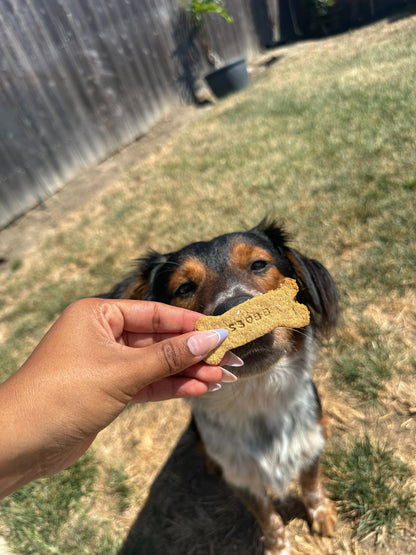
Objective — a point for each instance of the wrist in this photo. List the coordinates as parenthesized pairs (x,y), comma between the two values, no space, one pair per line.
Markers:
(19,457)
(16,473)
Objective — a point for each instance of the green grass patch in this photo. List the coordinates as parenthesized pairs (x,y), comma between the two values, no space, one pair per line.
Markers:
(369,482)
(38,511)
(364,366)
(52,515)
(117,484)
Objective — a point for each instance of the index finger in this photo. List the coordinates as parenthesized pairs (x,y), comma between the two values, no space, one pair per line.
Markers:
(154,317)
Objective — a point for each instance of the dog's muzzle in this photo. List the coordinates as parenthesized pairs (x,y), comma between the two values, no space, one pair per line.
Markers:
(230,303)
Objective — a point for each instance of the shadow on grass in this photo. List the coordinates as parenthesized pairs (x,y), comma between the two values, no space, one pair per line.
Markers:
(407,10)
(190,510)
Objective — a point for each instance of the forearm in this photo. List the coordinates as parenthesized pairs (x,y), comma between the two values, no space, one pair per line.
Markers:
(19,460)
(36,436)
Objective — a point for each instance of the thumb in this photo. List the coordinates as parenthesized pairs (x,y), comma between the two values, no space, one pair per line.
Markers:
(175,354)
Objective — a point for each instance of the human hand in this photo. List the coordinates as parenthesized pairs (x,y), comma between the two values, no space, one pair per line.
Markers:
(99,356)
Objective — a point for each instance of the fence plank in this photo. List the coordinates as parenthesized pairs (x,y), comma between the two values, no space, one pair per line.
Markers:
(82,78)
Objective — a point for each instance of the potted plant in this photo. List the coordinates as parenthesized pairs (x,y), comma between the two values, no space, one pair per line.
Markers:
(225,77)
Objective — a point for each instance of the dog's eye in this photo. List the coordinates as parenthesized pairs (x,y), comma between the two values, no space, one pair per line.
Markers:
(185,290)
(259,265)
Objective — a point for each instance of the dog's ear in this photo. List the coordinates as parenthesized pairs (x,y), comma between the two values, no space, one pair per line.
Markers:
(276,233)
(316,287)
(139,284)
(317,290)
(142,280)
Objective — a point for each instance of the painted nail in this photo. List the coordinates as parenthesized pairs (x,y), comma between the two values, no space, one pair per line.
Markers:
(231,359)
(222,334)
(227,376)
(204,342)
(213,387)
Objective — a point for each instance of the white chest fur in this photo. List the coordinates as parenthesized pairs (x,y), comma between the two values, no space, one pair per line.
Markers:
(262,430)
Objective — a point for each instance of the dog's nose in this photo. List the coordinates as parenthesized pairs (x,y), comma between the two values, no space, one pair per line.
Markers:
(229,303)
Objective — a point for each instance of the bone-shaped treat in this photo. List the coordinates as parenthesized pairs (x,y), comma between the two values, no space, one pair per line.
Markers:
(256,317)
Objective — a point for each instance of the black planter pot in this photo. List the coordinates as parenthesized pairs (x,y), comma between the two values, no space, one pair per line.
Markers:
(229,78)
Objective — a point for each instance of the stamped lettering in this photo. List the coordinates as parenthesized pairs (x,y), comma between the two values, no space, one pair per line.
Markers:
(250,319)
(256,317)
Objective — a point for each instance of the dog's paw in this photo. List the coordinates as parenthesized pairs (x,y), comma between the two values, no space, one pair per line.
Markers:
(287,550)
(322,517)
(276,541)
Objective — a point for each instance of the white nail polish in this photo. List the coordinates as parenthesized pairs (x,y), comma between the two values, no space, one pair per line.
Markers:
(202,342)
(234,360)
(227,376)
(213,387)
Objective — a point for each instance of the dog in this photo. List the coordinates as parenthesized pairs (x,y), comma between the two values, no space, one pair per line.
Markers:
(267,428)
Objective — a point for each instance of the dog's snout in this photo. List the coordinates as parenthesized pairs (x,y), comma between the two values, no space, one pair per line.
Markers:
(230,303)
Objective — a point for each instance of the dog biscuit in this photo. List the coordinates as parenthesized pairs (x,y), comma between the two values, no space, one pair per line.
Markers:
(256,317)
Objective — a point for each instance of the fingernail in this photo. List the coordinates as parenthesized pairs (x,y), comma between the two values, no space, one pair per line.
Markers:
(204,342)
(213,387)
(222,334)
(233,360)
(227,376)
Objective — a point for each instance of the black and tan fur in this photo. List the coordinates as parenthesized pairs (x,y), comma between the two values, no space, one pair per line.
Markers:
(267,428)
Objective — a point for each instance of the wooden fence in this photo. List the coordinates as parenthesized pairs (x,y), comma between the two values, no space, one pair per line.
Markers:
(81,78)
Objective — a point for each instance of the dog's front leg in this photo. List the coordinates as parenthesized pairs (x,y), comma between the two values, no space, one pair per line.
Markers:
(275,536)
(320,509)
